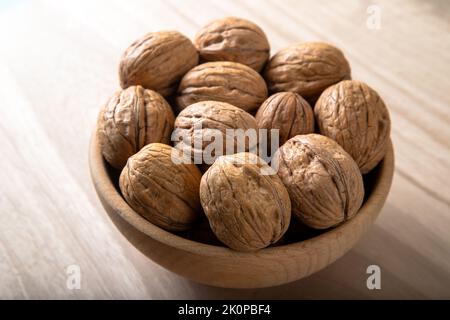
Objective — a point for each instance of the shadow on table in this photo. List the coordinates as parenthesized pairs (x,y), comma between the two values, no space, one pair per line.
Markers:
(404,272)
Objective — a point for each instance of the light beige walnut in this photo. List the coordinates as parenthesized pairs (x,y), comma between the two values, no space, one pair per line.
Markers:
(288,112)
(197,125)
(354,115)
(323,181)
(247,210)
(307,68)
(157,61)
(131,119)
(233,39)
(224,81)
(159,183)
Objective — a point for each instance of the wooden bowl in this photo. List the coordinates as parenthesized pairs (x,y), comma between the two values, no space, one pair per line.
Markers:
(223,267)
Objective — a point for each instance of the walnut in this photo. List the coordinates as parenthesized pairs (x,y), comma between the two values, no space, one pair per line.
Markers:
(306,68)
(323,181)
(162,186)
(223,81)
(157,61)
(247,210)
(131,119)
(200,121)
(288,112)
(354,115)
(233,39)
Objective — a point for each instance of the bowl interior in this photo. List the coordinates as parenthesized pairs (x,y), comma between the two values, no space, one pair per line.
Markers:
(105,178)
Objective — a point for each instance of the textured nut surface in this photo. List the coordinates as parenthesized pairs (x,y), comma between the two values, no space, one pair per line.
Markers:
(246,210)
(306,68)
(157,61)
(162,190)
(223,81)
(288,112)
(233,39)
(354,115)
(131,119)
(199,121)
(324,182)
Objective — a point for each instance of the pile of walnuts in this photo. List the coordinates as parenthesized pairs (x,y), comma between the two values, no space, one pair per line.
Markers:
(226,79)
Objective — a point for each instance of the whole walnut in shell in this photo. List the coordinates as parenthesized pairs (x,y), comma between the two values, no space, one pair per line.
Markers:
(131,119)
(323,181)
(288,112)
(247,210)
(306,68)
(354,115)
(223,81)
(233,39)
(157,61)
(197,126)
(162,185)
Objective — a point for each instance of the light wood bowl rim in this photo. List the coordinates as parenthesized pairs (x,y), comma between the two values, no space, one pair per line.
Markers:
(107,191)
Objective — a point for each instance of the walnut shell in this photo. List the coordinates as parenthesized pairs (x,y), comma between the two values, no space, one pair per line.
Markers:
(323,181)
(247,210)
(287,112)
(162,186)
(306,68)
(157,61)
(223,81)
(131,119)
(233,39)
(354,115)
(195,125)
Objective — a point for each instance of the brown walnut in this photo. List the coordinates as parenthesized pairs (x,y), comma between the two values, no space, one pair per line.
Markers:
(201,120)
(162,186)
(287,112)
(157,61)
(233,39)
(223,81)
(323,181)
(306,68)
(247,210)
(131,119)
(354,115)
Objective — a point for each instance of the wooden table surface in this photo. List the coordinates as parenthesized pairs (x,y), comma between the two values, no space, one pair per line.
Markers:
(58,64)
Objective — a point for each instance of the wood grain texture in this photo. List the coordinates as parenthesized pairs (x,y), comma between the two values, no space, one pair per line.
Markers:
(58,64)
